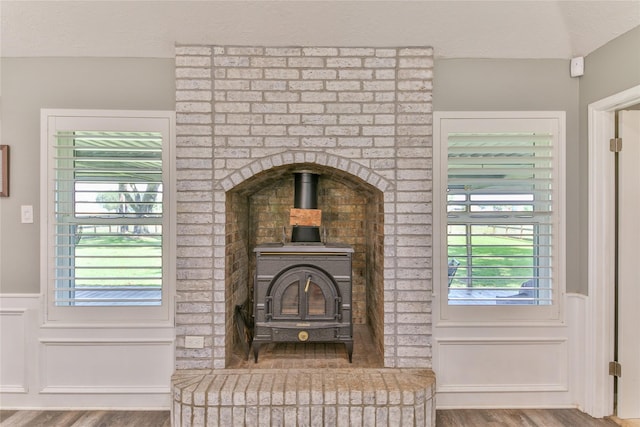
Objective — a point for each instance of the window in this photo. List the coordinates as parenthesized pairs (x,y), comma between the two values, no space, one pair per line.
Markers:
(108,211)
(500,210)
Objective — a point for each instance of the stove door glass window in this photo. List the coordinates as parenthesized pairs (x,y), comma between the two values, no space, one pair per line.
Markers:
(304,292)
(291,299)
(316,301)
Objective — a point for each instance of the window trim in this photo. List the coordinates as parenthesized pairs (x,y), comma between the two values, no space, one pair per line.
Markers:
(474,315)
(54,120)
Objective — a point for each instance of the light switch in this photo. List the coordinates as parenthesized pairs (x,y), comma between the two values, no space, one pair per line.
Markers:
(26,214)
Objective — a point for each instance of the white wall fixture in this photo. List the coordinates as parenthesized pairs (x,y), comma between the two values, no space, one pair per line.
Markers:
(577,66)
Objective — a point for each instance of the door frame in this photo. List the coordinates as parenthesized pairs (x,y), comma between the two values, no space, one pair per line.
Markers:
(599,336)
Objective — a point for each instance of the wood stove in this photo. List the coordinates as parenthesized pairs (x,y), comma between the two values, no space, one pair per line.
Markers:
(302,293)
(302,289)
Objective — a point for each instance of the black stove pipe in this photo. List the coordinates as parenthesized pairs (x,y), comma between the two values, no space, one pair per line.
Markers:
(305,197)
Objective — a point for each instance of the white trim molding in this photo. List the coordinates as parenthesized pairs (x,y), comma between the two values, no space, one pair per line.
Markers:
(600,308)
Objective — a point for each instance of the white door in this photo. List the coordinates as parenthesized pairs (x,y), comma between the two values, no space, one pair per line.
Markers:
(629,265)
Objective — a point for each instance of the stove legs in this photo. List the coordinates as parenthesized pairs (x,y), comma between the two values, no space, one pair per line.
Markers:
(256,349)
(349,346)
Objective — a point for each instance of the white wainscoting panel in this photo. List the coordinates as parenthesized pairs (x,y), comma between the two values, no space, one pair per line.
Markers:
(13,350)
(105,367)
(19,324)
(80,366)
(503,365)
(515,366)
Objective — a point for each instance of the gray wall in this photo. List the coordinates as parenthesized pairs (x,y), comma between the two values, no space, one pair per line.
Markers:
(459,84)
(31,84)
(611,69)
(504,85)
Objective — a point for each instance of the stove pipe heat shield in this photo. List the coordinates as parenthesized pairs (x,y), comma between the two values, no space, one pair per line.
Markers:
(305,197)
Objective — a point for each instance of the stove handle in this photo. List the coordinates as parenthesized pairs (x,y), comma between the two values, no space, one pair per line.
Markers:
(338,312)
(268,314)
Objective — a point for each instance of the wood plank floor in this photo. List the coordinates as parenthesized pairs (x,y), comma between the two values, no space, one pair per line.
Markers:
(85,418)
(445,418)
(518,417)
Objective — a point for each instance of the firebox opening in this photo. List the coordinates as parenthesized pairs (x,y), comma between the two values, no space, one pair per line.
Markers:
(258,213)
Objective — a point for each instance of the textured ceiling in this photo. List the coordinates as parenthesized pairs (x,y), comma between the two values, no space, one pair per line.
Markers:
(456,29)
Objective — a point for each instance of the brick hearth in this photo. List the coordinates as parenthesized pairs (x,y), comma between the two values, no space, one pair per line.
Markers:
(304,397)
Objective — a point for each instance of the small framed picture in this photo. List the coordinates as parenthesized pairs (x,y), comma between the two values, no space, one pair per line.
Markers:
(4,171)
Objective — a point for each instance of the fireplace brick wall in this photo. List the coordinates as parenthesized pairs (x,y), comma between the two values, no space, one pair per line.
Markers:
(244,111)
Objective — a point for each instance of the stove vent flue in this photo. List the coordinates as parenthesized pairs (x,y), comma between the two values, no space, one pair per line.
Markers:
(305,197)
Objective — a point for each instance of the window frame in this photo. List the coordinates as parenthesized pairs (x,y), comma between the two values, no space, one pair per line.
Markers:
(60,120)
(498,121)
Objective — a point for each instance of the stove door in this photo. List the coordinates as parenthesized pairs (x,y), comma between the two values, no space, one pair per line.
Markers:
(304,293)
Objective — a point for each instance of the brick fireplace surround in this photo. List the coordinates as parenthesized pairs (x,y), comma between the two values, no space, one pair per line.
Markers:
(247,118)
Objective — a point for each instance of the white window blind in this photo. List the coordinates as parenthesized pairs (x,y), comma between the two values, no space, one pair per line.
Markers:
(108,218)
(499,203)
(500,224)
(108,215)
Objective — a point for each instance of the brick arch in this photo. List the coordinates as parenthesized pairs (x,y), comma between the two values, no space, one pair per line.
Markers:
(367,237)
(305,157)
